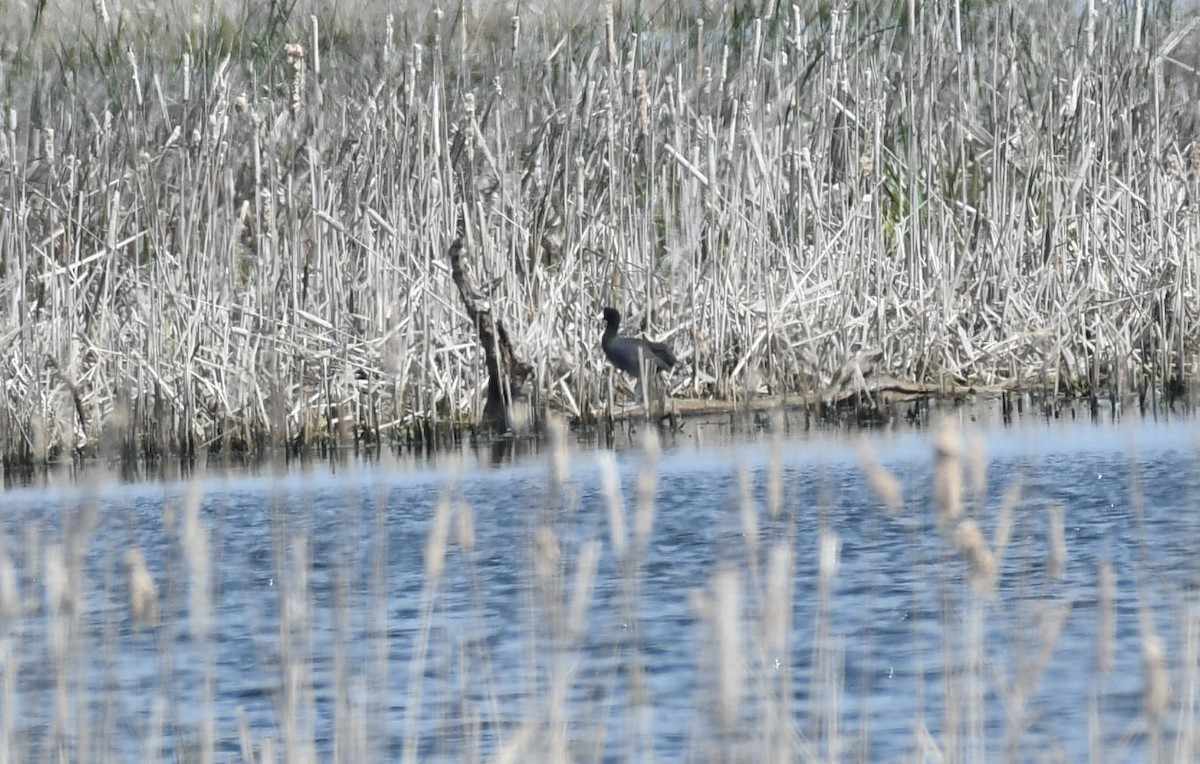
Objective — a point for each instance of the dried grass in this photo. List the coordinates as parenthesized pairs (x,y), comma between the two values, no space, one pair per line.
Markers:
(226,229)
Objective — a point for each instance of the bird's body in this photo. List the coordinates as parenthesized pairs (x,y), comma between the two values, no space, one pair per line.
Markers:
(632,354)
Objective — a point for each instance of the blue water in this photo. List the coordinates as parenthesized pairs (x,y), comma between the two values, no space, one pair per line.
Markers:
(319,603)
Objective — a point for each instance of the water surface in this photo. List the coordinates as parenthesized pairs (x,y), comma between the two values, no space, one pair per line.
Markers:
(321,611)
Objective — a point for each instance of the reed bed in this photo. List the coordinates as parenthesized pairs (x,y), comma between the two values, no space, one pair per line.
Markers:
(166,637)
(226,228)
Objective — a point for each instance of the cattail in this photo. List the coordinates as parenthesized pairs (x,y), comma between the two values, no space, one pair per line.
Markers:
(37,436)
(827,558)
(647,486)
(756,57)
(724,74)
(886,486)
(60,600)
(143,593)
(464,527)
(559,456)
(389,37)
(469,130)
(866,165)
(48,148)
(643,94)
(101,11)
(947,477)
(727,620)
(295,54)
(581,595)
(980,562)
(1056,555)
(316,46)
(10,592)
(114,216)
(194,538)
(546,556)
(296,601)
(1106,617)
(60,597)
(435,544)
(1156,690)
(187,77)
(777,610)
(1004,518)
(610,35)
(133,67)
(610,489)
(775,469)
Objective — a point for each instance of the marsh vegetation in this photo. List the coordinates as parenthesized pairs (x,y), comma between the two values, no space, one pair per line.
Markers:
(227,228)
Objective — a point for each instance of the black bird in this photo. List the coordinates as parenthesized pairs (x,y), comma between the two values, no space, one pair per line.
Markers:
(629,353)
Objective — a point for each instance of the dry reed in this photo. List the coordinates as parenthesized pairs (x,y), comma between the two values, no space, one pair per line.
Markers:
(234,223)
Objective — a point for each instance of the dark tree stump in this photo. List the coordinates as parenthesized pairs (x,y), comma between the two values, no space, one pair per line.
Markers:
(506,372)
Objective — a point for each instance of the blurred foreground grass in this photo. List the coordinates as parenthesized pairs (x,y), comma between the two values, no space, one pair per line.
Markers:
(118,644)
